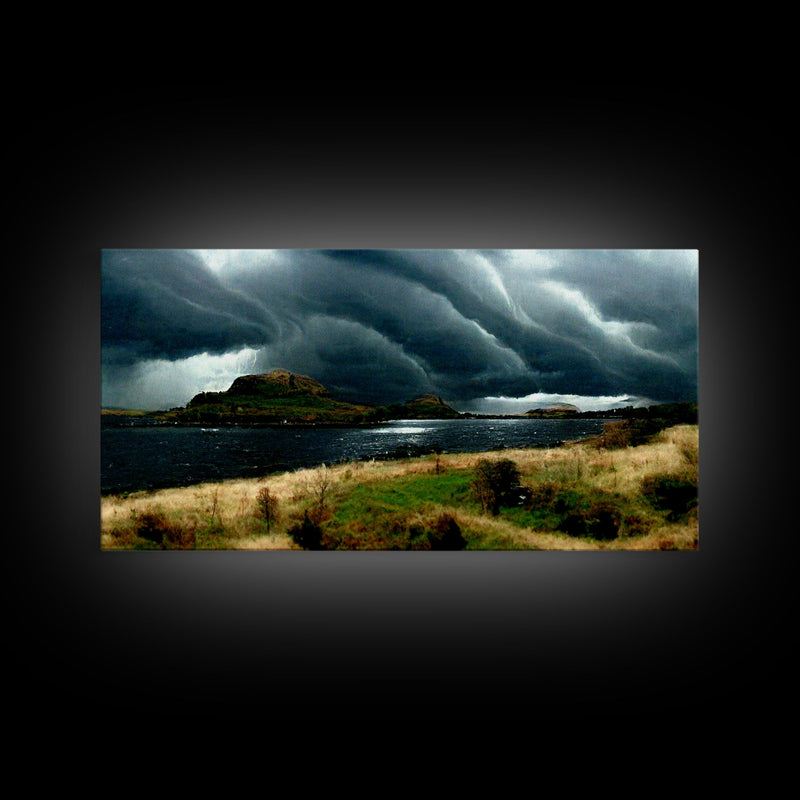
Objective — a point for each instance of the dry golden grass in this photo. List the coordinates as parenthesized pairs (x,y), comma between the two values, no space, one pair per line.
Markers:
(497,529)
(224,514)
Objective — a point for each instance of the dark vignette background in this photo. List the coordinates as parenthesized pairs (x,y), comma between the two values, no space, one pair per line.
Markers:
(696,638)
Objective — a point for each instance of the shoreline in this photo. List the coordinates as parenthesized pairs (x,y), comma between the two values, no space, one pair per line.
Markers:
(356,503)
(145,419)
(423,452)
(684,412)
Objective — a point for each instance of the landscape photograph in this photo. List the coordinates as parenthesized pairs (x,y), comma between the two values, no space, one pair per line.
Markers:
(399,400)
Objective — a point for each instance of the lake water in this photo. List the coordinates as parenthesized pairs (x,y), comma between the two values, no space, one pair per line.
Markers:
(140,456)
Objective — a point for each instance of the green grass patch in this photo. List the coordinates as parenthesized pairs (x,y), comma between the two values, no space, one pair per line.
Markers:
(401,513)
(406,513)
(403,495)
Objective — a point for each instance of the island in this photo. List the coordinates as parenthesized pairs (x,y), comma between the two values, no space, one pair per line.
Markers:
(281,397)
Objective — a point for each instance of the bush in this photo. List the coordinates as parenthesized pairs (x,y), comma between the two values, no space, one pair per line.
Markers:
(635,525)
(386,534)
(307,534)
(599,521)
(154,527)
(396,531)
(179,538)
(629,433)
(671,493)
(615,435)
(446,534)
(496,484)
(543,495)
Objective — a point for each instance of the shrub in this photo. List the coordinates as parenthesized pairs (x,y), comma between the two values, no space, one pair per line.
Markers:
(671,493)
(395,530)
(154,527)
(635,525)
(614,436)
(628,433)
(446,534)
(378,534)
(179,538)
(443,533)
(306,534)
(496,483)
(150,525)
(542,495)
(599,521)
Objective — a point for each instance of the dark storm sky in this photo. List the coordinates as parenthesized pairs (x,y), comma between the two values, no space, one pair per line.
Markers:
(496,330)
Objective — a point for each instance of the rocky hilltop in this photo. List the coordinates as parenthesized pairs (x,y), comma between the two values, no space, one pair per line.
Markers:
(279,396)
(271,385)
(429,406)
(284,397)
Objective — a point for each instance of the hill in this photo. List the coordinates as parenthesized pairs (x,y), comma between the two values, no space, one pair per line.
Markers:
(553,410)
(429,406)
(269,386)
(281,397)
(277,396)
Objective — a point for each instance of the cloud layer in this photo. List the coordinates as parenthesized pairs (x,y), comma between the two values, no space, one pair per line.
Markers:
(387,325)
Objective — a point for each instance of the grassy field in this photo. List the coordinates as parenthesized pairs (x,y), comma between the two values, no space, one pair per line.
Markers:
(588,495)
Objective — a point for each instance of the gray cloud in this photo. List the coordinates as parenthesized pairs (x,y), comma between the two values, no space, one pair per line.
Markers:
(169,304)
(387,325)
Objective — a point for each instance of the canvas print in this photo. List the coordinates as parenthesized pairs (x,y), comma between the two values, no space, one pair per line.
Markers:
(399,400)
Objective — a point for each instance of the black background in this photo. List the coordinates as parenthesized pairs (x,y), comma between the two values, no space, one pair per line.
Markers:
(101,161)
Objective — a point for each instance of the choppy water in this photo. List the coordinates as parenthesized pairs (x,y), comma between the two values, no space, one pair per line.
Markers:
(135,457)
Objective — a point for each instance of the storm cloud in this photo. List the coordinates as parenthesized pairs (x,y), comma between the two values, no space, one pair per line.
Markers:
(486,330)
(168,304)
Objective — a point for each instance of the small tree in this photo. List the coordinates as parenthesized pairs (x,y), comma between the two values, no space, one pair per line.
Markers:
(495,484)
(267,506)
(214,503)
(320,484)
